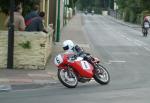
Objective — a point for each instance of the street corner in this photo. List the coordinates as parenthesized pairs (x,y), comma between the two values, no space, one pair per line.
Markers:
(36,84)
(52,75)
(4,85)
(36,81)
(30,81)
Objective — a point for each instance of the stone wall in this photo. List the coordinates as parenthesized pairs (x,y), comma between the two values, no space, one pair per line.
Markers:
(31,49)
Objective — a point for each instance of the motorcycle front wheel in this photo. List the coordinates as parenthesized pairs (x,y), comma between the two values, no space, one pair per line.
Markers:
(101,75)
(67,78)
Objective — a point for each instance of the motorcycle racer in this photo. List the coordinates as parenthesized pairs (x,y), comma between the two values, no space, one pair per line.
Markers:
(71,48)
(75,66)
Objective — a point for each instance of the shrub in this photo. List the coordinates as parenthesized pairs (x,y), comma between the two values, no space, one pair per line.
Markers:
(126,14)
(132,17)
(25,45)
(139,19)
(143,14)
(98,10)
(27,5)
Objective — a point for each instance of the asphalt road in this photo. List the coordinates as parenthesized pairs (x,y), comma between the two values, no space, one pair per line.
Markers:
(122,50)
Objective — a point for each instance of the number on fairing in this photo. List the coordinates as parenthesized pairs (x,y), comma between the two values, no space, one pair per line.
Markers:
(58,60)
(85,65)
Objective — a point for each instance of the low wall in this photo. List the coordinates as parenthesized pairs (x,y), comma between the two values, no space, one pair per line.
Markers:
(104,13)
(31,49)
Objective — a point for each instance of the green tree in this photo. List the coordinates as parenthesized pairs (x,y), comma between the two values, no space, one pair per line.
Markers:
(27,6)
(133,8)
(145,4)
(91,4)
(72,4)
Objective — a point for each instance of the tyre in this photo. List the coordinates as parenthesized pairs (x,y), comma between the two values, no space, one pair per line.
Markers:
(145,32)
(101,75)
(67,78)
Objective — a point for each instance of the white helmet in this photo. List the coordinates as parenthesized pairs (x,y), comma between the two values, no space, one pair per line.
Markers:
(68,45)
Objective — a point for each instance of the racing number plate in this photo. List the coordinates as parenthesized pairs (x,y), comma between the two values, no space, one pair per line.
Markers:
(85,65)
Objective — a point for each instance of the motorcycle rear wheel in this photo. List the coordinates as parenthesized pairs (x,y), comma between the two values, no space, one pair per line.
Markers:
(63,76)
(101,75)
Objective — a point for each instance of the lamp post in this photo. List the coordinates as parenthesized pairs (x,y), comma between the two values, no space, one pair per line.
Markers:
(65,12)
(58,23)
(64,21)
(109,4)
(10,52)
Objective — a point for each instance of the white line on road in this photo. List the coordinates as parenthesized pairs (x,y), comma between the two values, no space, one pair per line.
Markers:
(123,36)
(135,41)
(84,45)
(126,38)
(123,53)
(5,87)
(139,42)
(148,49)
(116,61)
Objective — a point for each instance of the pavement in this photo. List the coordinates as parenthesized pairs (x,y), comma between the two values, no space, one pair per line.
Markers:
(134,26)
(17,79)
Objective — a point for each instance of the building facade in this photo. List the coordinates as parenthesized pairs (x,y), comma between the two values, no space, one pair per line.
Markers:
(50,7)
